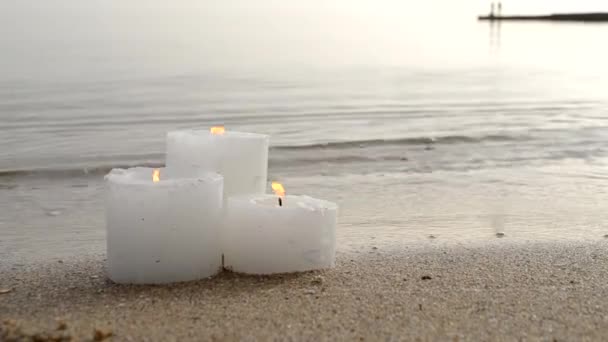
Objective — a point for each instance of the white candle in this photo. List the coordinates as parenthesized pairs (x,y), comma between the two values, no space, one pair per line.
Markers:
(242,158)
(261,237)
(162,230)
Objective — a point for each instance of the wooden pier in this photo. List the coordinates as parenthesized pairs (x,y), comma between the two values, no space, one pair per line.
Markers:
(572,17)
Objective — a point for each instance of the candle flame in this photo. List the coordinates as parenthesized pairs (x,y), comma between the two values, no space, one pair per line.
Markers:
(217,130)
(278,189)
(156,175)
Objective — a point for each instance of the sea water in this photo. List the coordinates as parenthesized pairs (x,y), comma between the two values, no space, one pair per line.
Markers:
(415,118)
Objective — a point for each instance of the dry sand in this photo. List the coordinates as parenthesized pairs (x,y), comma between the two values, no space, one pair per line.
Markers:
(499,291)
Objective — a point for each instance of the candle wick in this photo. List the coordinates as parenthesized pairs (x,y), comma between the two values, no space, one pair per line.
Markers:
(280,202)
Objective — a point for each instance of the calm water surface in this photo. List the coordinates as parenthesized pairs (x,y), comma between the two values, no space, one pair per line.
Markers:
(450,128)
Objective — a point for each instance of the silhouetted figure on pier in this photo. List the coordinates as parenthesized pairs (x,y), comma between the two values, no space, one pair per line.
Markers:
(499,9)
(492,10)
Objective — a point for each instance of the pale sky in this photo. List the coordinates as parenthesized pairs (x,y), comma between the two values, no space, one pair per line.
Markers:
(101,35)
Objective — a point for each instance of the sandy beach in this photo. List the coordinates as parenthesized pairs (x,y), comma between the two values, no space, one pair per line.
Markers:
(494,291)
(468,161)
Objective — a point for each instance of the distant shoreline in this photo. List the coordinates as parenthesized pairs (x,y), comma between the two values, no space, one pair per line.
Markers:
(577,17)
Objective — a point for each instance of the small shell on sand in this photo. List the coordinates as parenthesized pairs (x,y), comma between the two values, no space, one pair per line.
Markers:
(317,280)
(101,334)
(61,325)
(53,213)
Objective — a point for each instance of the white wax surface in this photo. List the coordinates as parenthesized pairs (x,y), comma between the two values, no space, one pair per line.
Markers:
(241,158)
(162,232)
(259,237)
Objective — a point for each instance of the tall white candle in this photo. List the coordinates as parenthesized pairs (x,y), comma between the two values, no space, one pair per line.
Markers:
(242,158)
(261,237)
(164,230)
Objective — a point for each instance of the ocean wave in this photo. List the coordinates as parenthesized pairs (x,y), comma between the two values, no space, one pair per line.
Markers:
(73,171)
(293,155)
(449,139)
(100,170)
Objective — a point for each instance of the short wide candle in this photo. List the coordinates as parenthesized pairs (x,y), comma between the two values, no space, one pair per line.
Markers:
(162,229)
(242,158)
(261,237)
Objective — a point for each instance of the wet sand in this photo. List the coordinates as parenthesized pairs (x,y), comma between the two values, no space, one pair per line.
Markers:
(496,291)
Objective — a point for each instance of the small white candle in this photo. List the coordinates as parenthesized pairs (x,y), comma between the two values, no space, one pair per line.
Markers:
(242,158)
(262,237)
(162,229)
